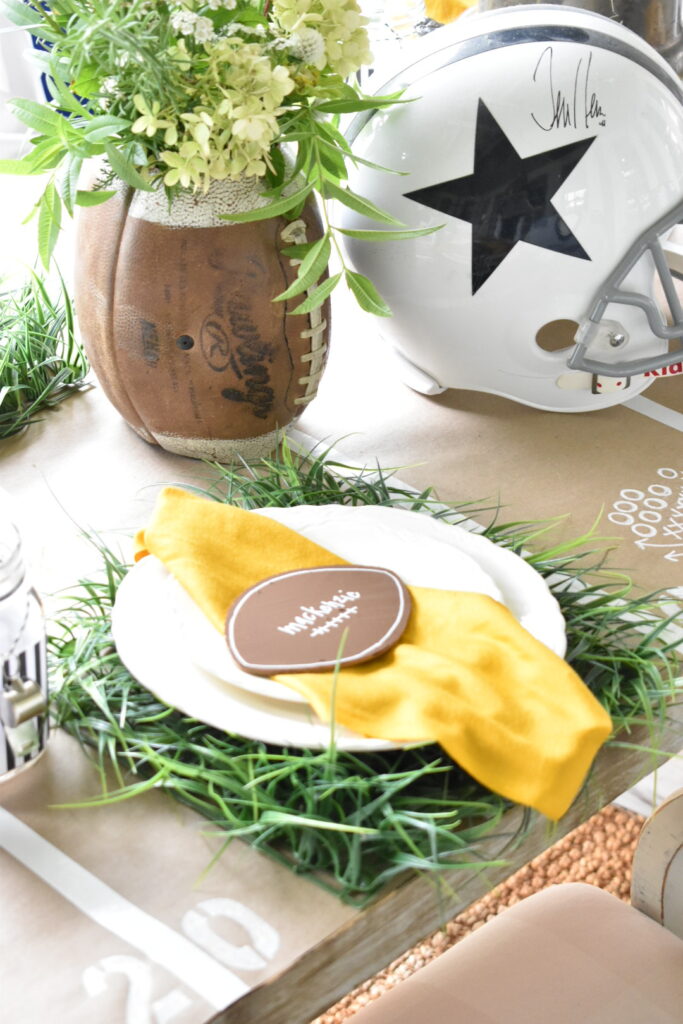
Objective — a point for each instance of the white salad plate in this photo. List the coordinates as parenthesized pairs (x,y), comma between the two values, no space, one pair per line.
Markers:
(167,643)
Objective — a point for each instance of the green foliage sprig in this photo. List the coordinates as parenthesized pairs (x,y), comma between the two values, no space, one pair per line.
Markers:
(350,821)
(41,362)
(178,94)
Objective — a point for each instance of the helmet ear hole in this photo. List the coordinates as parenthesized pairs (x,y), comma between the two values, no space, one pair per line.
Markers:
(556,335)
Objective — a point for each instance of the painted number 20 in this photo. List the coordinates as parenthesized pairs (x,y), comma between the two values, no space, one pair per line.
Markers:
(141,1007)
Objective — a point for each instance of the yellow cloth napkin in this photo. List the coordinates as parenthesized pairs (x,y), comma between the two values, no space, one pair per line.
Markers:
(465,673)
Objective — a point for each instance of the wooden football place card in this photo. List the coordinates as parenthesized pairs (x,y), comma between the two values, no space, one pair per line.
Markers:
(294,622)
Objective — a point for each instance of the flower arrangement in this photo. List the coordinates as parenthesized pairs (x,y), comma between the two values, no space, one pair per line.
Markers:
(177,94)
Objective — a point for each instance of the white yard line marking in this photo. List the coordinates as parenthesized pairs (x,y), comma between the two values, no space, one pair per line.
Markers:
(655,411)
(215,984)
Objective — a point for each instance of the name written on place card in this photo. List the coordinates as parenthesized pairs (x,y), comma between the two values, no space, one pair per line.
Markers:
(294,622)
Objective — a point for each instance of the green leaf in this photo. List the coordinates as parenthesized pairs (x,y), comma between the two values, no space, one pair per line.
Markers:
(275,191)
(303,157)
(272,210)
(334,136)
(361,205)
(354,106)
(69,182)
(390,97)
(94,198)
(287,818)
(103,127)
(65,98)
(342,90)
(124,169)
(318,296)
(46,154)
(276,176)
(297,252)
(387,236)
(88,81)
(23,166)
(31,213)
(246,15)
(367,296)
(49,222)
(86,149)
(355,160)
(312,266)
(44,62)
(45,34)
(332,160)
(41,118)
(65,133)
(301,135)
(19,13)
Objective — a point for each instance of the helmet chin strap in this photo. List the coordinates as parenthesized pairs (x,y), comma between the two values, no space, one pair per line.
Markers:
(597,333)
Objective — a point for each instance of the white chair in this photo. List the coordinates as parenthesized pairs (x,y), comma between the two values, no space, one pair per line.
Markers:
(571,954)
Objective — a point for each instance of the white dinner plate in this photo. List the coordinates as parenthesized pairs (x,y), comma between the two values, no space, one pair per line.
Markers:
(170,646)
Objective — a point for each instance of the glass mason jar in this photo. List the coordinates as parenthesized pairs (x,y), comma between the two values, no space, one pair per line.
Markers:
(23,695)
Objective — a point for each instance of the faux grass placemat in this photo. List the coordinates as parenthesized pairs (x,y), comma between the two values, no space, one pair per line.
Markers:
(351,822)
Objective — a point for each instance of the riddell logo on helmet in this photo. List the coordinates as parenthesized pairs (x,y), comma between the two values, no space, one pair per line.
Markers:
(666,371)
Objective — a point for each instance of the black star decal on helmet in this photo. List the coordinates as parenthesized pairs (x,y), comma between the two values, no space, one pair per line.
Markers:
(507,199)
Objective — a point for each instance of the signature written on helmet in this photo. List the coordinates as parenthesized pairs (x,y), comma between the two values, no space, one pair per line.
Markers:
(574,107)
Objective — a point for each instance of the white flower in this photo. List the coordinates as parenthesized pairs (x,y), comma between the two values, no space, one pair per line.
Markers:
(110,84)
(187,166)
(200,126)
(203,30)
(339,22)
(308,45)
(183,22)
(150,122)
(293,13)
(190,24)
(236,27)
(280,84)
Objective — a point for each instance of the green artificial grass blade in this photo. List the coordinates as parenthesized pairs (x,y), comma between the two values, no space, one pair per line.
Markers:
(41,362)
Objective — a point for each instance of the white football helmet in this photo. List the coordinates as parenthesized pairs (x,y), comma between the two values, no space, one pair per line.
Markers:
(548,142)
